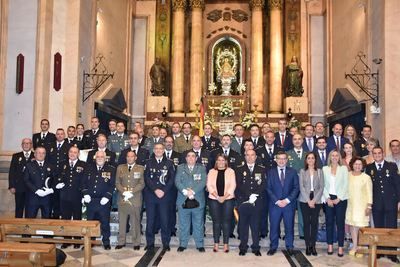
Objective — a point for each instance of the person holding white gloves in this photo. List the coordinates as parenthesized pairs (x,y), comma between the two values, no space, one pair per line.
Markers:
(97,189)
(250,194)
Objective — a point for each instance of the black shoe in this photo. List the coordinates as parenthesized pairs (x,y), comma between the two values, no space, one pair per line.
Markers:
(242,252)
(290,251)
(119,246)
(136,247)
(201,249)
(181,249)
(308,251)
(114,209)
(314,251)
(271,252)
(149,247)
(257,252)
(173,233)
(232,236)
(394,259)
(64,246)
(301,237)
(340,255)
(167,248)
(330,252)
(262,236)
(107,247)
(76,246)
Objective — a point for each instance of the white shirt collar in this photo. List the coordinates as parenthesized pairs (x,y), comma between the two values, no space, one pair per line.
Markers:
(73,162)
(40,161)
(135,148)
(131,165)
(102,149)
(381,163)
(269,146)
(61,143)
(199,150)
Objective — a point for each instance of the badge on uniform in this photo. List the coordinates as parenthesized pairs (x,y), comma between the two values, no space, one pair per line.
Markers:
(20,159)
(262,155)
(197,176)
(362,145)
(136,175)
(51,149)
(257,177)
(107,158)
(126,142)
(213,144)
(48,169)
(387,173)
(204,161)
(79,169)
(65,166)
(232,160)
(244,173)
(163,175)
(176,161)
(106,176)
(372,172)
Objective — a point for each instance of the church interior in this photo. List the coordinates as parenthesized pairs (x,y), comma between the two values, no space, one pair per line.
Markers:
(217,61)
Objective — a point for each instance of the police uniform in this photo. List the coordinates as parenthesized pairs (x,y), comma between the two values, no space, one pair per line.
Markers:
(80,142)
(110,157)
(248,183)
(37,177)
(204,158)
(176,159)
(16,180)
(90,138)
(72,141)
(129,179)
(71,194)
(116,143)
(361,146)
(142,155)
(210,142)
(234,158)
(98,184)
(267,157)
(386,193)
(38,140)
(158,175)
(257,142)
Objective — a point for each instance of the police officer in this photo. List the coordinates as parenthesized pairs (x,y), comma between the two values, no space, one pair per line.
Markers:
(98,186)
(142,154)
(71,132)
(250,195)
(268,151)
(234,158)
(38,177)
(16,183)
(102,146)
(159,179)
(43,138)
(209,142)
(190,181)
(118,141)
(80,136)
(90,136)
(202,155)
(129,183)
(386,192)
(69,185)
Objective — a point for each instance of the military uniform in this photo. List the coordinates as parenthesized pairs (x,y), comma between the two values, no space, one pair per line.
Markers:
(38,140)
(132,180)
(116,143)
(151,141)
(98,184)
(210,142)
(142,156)
(248,183)
(72,142)
(267,157)
(37,177)
(181,144)
(386,193)
(237,144)
(158,175)
(90,138)
(204,158)
(16,180)
(110,157)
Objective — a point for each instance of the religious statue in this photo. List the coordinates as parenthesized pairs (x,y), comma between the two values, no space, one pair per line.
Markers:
(226,65)
(158,79)
(294,78)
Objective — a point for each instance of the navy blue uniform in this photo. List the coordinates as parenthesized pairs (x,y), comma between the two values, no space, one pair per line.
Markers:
(210,143)
(90,139)
(37,177)
(158,176)
(267,157)
(142,156)
(98,184)
(72,142)
(16,181)
(37,140)
(110,157)
(234,158)
(248,183)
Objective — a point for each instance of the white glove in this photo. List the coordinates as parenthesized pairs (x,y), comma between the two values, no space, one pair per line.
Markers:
(87,198)
(48,191)
(253,198)
(104,201)
(184,192)
(40,193)
(60,185)
(127,195)
(191,197)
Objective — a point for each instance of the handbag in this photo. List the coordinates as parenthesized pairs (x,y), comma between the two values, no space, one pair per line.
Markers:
(190,204)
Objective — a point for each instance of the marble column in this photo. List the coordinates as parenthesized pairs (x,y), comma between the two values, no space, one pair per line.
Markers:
(276,57)
(257,88)
(177,66)
(196,53)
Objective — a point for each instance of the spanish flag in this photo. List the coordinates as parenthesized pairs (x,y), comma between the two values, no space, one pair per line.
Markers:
(201,122)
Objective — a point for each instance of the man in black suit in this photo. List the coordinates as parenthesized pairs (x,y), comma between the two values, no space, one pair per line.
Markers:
(43,138)
(202,155)
(361,143)
(142,154)
(238,139)
(321,151)
(92,134)
(336,141)
(234,158)
(16,183)
(80,136)
(386,192)
(319,129)
(258,141)
(209,142)
(170,153)
(283,139)
(71,138)
(101,145)
(309,138)
(142,138)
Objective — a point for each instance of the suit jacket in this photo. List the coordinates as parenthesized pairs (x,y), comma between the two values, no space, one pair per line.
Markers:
(234,158)
(80,143)
(142,141)
(142,156)
(90,139)
(73,142)
(305,186)
(150,142)
(341,182)
(265,158)
(236,146)
(319,162)
(289,190)
(46,142)
(110,157)
(361,146)
(57,157)
(305,144)
(73,180)
(36,177)
(175,157)
(294,161)
(212,143)
(195,180)
(288,143)
(132,181)
(260,142)
(331,143)
(250,183)
(16,172)
(180,144)
(230,183)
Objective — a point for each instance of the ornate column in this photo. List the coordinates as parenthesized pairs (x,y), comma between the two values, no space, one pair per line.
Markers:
(196,53)
(177,66)
(276,57)
(257,88)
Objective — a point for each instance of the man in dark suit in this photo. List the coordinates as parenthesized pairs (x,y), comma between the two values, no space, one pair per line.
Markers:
(321,152)
(16,183)
(234,158)
(361,143)
(101,145)
(203,156)
(319,129)
(209,142)
(238,139)
(43,138)
(268,151)
(92,134)
(336,141)
(80,136)
(112,128)
(71,138)
(142,137)
(309,138)
(258,141)
(386,192)
(142,154)
(283,139)
(282,189)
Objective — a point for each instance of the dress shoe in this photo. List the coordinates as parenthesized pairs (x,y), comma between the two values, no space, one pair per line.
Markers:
(119,246)
(314,251)
(257,252)
(76,246)
(181,249)
(271,252)
(173,234)
(64,246)
(149,247)
(232,236)
(262,236)
(201,249)
(290,251)
(394,259)
(167,248)
(308,251)
(136,247)
(301,237)
(242,253)
(330,252)
(107,247)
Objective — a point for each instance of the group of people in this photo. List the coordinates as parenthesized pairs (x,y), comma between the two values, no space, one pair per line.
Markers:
(256,179)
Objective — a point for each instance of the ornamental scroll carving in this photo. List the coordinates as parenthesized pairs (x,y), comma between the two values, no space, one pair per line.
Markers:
(227,14)
(178,5)
(197,4)
(275,4)
(256,4)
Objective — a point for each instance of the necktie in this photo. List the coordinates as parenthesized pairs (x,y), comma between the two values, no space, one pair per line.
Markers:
(26,155)
(190,169)
(254,142)
(379,166)
(129,168)
(197,154)
(79,138)
(155,140)
(323,158)
(299,154)
(158,161)
(187,139)
(58,146)
(168,154)
(94,132)
(43,136)
(120,137)
(134,151)
(337,143)
(99,168)
(240,141)
(41,164)
(282,177)
(270,152)
(71,164)
(226,152)
(251,169)
(282,139)
(309,144)
(207,140)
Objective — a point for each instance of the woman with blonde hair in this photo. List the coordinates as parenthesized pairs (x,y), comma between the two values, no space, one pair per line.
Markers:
(371,143)
(350,133)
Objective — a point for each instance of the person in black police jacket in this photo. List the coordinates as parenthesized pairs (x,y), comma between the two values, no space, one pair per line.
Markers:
(16,183)
(90,136)
(43,138)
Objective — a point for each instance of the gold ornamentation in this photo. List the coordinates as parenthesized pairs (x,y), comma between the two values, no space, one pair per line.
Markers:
(256,4)
(178,5)
(275,4)
(197,4)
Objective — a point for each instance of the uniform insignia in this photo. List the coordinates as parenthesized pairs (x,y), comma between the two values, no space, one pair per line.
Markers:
(106,176)
(262,155)
(126,142)
(48,169)
(20,159)
(387,173)
(136,175)
(362,145)
(51,150)
(162,178)
(204,161)
(197,176)
(372,172)
(79,169)
(213,143)
(107,158)
(244,173)
(176,161)
(165,167)
(65,166)
(290,157)
(232,160)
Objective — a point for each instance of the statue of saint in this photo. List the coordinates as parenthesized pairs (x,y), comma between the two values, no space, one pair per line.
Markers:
(294,78)
(157,76)
(226,69)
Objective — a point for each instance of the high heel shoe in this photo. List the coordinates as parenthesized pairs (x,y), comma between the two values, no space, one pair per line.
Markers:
(226,249)
(340,254)
(215,249)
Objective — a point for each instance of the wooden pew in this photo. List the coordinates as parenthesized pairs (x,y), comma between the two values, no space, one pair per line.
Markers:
(374,237)
(25,254)
(56,230)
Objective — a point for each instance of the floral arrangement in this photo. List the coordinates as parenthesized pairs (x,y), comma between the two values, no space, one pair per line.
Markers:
(248,120)
(226,108)
(241,88)
(294,123)
(161,123)
(209,120)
